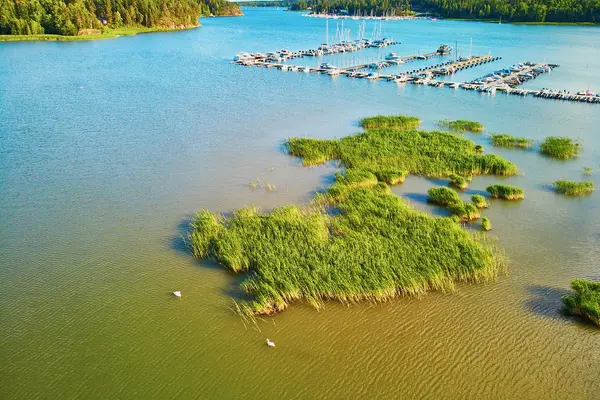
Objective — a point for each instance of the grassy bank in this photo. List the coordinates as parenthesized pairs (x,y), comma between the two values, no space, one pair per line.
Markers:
(357,241)
(108,33)
(586,301)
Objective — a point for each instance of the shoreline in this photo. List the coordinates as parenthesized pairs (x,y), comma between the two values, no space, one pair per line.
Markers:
(103,35)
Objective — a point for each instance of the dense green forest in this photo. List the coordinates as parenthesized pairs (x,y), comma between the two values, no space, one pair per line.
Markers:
(378,7)
(70,17)
(516,10)
(508,10)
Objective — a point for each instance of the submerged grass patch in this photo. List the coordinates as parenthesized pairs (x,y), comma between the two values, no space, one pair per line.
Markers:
(506,192)
(358,241)
(586,301)
(571,188)
(390,121)
(504,140)
(562,148)
(462,125)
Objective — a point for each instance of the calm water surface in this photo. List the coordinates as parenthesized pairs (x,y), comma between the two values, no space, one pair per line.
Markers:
(107,147)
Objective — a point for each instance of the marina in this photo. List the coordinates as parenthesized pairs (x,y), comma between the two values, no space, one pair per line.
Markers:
(504,80)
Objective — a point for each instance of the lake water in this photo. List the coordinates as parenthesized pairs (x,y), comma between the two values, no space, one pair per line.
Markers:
(107,148)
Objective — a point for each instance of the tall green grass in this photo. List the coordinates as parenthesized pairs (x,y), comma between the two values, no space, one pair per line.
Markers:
(479,201)
(486,225)
(571,188)
(506,192)
(504,140)
(374,248)
(443,196)
(560,147)
(357,240)
(390,121)
(586,301)
(458,181)
(462,125)
(402,152)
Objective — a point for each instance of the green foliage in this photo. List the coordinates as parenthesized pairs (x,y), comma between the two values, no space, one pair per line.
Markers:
(525,10)
(462,125)
(72,17)
(479,201)
(586,302)
(571,188)
(458,181)
(443,196)
(377,7)
(504,140)
(486,225)
(587,170)
(390,121)
(403,152)
(505,192)
(464,211)
(560,147)
(296,253)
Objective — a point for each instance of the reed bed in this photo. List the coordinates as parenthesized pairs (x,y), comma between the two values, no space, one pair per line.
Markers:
(572,188)
(402,152)
(464,211)
(462,125)
(458,181)
(443,196)
(506,192)
(479,201)
(486,225)
(562,148)
(586,301)
(403,122)
(504,140)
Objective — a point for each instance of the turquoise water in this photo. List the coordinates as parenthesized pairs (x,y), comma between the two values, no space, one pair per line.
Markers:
(107,147)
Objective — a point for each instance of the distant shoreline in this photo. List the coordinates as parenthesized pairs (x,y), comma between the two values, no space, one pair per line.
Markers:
(106,34)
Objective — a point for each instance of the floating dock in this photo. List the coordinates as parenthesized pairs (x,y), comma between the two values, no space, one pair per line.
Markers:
(504,80)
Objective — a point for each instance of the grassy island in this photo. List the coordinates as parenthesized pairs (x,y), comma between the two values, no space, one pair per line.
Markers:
(462,125)
(357,240)
(486,225)
(458,181)
(479,201)
(560,147)
(571,188)
(464,211)
(504,140)
(506,192)
(443,196)
(395,121)
(586,303)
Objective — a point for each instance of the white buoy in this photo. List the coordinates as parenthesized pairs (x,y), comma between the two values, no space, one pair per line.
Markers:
(177,293)
(270,344)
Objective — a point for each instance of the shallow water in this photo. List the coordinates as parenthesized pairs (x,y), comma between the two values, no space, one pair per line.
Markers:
(107,147)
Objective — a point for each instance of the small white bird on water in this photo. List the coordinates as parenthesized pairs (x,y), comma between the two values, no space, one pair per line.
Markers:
(270,344)
(177,293)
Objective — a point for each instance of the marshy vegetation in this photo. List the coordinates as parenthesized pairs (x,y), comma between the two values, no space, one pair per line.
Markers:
(588,170)
(479,201)
(504,140)
(486,225)
(396,153)
(562,148)
(462,125)
(374,247)
(443,196)
(357,240)
(586,301)
(572,188)
(402,122)
(506,192)
(458,181)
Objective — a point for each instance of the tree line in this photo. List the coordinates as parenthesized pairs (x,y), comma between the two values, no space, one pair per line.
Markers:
(69,17)
(355,7)
(516,10)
